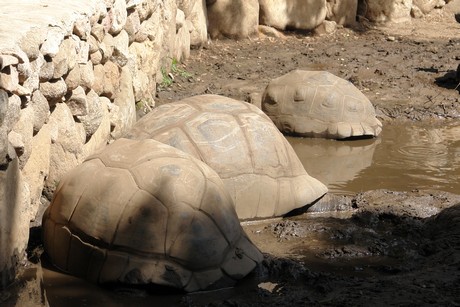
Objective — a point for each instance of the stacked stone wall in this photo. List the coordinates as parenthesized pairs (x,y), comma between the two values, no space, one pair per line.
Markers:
(71,76)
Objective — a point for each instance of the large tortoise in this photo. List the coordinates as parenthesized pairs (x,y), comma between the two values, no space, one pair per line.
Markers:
(255,161)
(142,212)
(319,104)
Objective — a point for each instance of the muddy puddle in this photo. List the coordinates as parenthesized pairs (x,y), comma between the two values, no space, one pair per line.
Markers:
(406,156)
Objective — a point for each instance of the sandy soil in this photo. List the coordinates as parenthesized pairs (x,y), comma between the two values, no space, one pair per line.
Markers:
(407,70)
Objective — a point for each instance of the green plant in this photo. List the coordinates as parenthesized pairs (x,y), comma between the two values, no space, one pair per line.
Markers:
(178,70)
(167,79)
(175,70)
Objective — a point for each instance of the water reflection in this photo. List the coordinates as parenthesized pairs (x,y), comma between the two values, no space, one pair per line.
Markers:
(405,157)
(334,162)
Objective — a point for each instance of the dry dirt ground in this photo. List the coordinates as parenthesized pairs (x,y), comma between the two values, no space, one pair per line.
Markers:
(376,255)
(407,70)
(381,249)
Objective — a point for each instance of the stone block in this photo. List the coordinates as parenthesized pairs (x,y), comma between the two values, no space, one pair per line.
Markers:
(386,10)
(343,12)
(9,78)
(126,104)
(37,168)
(41,110)
(77,102)
(54,38)
(65,59)
(292,14)
(233,19)
(94,113)
(14,228)
(53,90)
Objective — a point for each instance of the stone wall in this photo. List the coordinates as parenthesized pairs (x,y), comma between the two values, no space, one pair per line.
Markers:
(71,76)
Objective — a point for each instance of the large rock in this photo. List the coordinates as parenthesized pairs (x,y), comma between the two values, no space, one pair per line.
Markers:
(385,10)
(232,19)
(37,168)
(292,14)
(126,104)
(426,6)
(343,12)
(14,228)
(195,12)
(67,139)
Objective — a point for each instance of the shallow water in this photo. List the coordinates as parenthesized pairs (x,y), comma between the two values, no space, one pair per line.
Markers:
(404,157)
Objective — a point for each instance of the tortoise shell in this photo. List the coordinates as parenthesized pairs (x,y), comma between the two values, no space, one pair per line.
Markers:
(319,104)
(142,212)
(255,161)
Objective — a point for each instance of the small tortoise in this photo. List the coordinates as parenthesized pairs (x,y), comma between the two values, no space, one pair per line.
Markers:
(255,161)
(319,104)
(142,212)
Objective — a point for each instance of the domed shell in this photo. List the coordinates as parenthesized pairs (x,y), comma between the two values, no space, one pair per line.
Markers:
(255,161)
(319,104)
(142,212)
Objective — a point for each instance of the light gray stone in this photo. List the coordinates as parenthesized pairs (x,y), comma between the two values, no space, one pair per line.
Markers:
(101,136)
(145,9)
(7,60)
(24,72)
(98,85)
(96,57)
(93,44)
(98,32)
(233,19)
(327,27)
(3,107)
(426,6)
(82,28)
(14,228)
(120,52)
(65,59)
(9,78)
(33,81)
(144,75)
(37,168)
(80,75)
(53,90)
(46,71)
(31,42)
(86,75)
(343,12)
(15,140)
(126,104)
(13,111)
(53,40)
(82,52)
(133,24)
(106,47)
(195,12)
(41,110)
(25,127)
(77,102)
(67,138)
(94,114)
(386,10)
(111,79)
(294,14)
(117,15)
